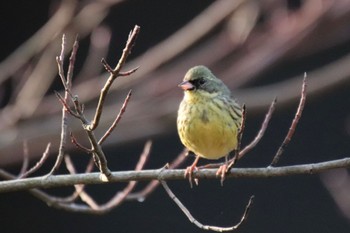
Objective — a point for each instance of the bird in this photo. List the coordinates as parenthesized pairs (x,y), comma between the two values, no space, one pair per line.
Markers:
(209,119)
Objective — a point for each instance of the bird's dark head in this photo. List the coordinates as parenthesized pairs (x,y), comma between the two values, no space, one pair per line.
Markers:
(200,78)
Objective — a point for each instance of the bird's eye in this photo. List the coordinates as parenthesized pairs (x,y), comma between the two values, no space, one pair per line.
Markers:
(201,81)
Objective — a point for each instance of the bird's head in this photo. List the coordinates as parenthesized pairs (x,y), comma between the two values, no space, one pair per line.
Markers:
(200,79)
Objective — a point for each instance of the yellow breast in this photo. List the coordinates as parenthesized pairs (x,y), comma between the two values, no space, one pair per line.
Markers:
(206,126)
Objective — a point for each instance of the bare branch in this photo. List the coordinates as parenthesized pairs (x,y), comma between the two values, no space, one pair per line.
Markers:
(67,83)
(196,222)
(60,62)
(117,119)
(294,124)
(121,195)
(173,174)
(96,150)
(261,132)
(113,75)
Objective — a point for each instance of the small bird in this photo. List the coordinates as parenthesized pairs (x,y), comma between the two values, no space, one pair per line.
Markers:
(208,120)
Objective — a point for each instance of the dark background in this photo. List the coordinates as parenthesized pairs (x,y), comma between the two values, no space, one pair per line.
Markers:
(287,204)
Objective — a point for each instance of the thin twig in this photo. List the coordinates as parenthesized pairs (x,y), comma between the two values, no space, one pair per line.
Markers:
(72,59)
(129,72)
(121,195)
(60,61)
(107,67)
(99,156)
(70,167)
(196,222)
(65,105)
(78,145)
(113,75)
(79,188)
(293,126)
(25,162)
(261,132)
(117,119)
(145,192)
(67,83)
(38,164)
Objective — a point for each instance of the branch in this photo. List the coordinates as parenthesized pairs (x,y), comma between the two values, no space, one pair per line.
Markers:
(96,150)
(114,73)
(200,225)
(175,174)
(117,119)
(67,83)
(293,126)
(144,193)
(25,162)
(38,164)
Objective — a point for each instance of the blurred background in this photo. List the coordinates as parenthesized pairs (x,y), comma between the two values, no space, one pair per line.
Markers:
(260,49)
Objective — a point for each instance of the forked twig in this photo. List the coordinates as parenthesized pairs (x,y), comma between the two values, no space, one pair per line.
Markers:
(107,67)
(70,167)
(118,198)
(96,150)
(293,126)
(114,73)
(79,188)
(67,83)
(196,222)
(65,105)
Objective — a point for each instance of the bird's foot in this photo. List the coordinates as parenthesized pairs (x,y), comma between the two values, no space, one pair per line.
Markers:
(223,169)
(189,172)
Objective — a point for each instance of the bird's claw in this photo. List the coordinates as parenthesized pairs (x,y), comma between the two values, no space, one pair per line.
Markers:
(188,174)
(223,169)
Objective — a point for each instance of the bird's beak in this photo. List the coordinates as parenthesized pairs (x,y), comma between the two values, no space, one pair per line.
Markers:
(186,85)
